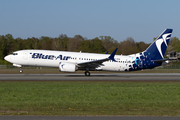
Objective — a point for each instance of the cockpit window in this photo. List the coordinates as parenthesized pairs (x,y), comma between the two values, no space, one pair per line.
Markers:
(14,53)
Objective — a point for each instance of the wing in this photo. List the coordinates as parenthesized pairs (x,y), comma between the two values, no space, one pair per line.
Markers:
(97,63)
(92,64)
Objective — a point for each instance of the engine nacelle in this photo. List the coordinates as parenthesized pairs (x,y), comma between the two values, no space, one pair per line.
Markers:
(67,67)
(16,65)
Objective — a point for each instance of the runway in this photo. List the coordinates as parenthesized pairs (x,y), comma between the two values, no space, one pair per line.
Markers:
(93,77)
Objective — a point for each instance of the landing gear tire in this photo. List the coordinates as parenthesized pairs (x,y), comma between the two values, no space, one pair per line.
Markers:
(87,73)
(20,70)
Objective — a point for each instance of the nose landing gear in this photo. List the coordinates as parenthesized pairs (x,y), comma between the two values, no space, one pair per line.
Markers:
(20,70)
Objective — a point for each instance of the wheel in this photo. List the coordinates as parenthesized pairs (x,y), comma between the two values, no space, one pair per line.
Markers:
(87,73)
(20,70)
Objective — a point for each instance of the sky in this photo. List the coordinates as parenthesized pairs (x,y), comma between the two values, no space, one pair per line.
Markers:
(140,19)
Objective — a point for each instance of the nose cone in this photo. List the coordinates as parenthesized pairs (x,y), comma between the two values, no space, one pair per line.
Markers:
(7,58)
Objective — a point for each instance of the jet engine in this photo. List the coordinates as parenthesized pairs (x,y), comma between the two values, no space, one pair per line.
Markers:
(67,67)
(16,65)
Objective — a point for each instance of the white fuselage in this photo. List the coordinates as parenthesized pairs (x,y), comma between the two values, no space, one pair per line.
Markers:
(49,58)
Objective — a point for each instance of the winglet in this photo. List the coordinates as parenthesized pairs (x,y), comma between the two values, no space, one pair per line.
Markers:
(107,52)
(111,57)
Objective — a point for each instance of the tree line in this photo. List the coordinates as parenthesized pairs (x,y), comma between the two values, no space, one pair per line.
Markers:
(101,44)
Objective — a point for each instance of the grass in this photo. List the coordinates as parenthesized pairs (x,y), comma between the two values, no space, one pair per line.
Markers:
(90,98)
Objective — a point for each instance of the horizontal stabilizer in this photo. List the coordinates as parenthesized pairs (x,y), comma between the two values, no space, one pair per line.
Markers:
(160,60)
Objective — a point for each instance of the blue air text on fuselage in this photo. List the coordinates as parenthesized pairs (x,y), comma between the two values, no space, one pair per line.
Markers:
(50,57)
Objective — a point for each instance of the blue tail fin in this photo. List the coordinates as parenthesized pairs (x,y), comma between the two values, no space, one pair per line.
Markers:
(158,48)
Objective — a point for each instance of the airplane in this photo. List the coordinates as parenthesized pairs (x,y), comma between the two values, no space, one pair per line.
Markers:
(66,61)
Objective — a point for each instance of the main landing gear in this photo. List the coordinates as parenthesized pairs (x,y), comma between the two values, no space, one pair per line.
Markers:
(87,73)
